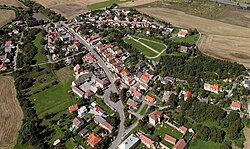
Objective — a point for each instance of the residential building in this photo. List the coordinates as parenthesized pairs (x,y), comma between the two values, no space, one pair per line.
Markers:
(246,83)
(183,129)
(136,93)
(236,105)
(133,104)
(77,122)
(88,94)
(73,108)
(215,88)
(145,78)
(187,95)
(102,83)
(150,99)
(182,33)
(170,139)
(148,142)
(94,139)
(155,117)
(78,69)
(78,91)
(130,143)
(103,123)
(180,144)
(99,110)
(83,132)
(82,111)
(184,49)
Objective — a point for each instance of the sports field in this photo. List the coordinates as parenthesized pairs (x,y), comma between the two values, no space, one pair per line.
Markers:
(6,16)
(149,47)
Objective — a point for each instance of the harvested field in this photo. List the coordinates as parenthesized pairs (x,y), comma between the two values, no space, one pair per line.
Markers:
(69,9)
(247,136)
(136,3)
(15,3)
(6,16)
(220,40)
(10,113)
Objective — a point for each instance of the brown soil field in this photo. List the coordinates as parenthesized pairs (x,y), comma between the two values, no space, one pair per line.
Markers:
(221,40)
(12,3)
(67,8)
(6,16)
(11,114)
(136,3)
(247,136)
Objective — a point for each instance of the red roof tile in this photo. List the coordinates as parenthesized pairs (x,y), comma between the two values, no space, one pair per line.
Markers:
(180,144)
(146,139)
(73,108)
(156,114)
(94,139)
(170,139)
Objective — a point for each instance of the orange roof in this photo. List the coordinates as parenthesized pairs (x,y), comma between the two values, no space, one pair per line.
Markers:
(146,139)
(137,93)
(214,87)
(107,125)
(156,114)
(149,99)
(183,129)
(180,144)
(170,139)
(182,33)
(94,139)
(119,51)
(125,73)
(7,43)
(108,54)
(145,78)
(99,109)
(236,104)
(73,108)
(187,94)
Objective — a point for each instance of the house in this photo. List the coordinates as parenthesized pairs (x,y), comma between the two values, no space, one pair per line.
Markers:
(167,80)
(82,132)
(170,139)
(148,142)
(142,86)
(102,83)
(123,85)
(99,110)
(133,104)
(82,111)
(183,129)
(150,99)
(94,139)
(77,91)
(130,143)
(215,88)
(82,79)
(136,93)
(55,56)
(73,108)
(187,95)
(78,69)
(145,78)
(88,58)
(182,33)
(77,122)
(88,94)
(155,117)
(180,144)
(184,49)
(235,105)
(103,123)
(246,83)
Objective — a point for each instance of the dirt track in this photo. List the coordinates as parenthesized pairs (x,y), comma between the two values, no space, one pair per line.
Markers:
(10,114)
(221,40)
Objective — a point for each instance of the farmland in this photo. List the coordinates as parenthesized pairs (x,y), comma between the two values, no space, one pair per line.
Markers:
(10,113)
(104,4)
(15,3)
(6,16)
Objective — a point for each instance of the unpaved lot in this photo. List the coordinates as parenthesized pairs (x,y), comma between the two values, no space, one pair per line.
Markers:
(6,16)
(10,113)
(220,40)
(68,8)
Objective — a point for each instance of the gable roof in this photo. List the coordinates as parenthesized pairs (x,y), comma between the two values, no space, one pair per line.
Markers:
(170,139)
(94,139)
(180,144)
(99,109)
(183,129)
(146,139)
(156,114)
(77,121)
(137,93)
(145,78)
(149,99)
(236,104)
(73,108)
(88,93)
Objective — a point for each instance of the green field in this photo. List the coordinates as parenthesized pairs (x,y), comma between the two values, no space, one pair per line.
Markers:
(189,39)
(39,57)
(104,4)
(198,144)
(138,46)
(153,44)
(143,109)
(167,129)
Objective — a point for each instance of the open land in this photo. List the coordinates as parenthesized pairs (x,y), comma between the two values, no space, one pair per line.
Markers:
(247,136)
(221,40)
(197,144)
(10,113)
(15,3)
(6,16)
(104,4)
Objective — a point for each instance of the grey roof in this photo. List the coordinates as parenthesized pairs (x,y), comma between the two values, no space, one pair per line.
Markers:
(83,78)
(83,131)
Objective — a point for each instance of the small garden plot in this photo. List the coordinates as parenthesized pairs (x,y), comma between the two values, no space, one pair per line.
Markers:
(162,129)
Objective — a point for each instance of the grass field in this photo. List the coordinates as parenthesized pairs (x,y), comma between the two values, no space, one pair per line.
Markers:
(189,39)
(10,113)
(104,4)
(198,144)
(167,129)
(39,57)
(6,16)
(15,3)
(143,109)
(221,40)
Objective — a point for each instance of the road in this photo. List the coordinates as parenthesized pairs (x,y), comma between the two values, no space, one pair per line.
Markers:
(118,106)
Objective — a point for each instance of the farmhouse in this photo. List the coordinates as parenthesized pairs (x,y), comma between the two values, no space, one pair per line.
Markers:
(182,33)
(94,139)
(155,117)
(77,91)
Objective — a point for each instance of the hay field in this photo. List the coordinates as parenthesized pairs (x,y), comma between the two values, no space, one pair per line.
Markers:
(67,8)
(15,3)
(136,3)
(220,40)
(6,16)
(10,113)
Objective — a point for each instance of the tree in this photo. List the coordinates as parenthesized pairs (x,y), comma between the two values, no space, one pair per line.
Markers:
(99,92)
(113,97)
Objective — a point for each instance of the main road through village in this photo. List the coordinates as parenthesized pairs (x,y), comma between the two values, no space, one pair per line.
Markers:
(112,88)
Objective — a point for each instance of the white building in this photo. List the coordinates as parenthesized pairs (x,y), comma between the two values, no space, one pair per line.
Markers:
(130,143)
(82,111)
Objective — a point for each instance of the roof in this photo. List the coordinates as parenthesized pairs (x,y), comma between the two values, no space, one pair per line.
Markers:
(187,94)
(99,109)
(79,91)
(133,103)
(156,114)
(83,78)
(146,139)
(73,108)
(108,126)
(124,73)
(145,78)
(170,138)
(94,139)
(137,93)
(83,131)
(129,142)
(7,43)
(77,121)
(149,99)
(183,129)
(180,144)
(236,104)
(88,93)
(56,142)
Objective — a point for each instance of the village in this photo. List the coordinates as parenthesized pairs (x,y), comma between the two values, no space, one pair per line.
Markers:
(126,103)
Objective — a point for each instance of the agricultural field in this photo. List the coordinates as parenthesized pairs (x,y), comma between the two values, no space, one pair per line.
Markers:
(15,3)
(11,114)
(104,4)
(225,41)
(6,16)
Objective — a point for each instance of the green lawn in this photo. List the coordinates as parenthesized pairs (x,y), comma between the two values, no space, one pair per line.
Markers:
(69,144)
(147,37)
(167,129)
(138,46)
(143,109)
(39,57)
(189,39)
(141,146)
(106,3)
(198,144)
(103,105)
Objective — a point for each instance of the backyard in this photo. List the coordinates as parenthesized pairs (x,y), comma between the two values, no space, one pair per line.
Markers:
(162,129)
